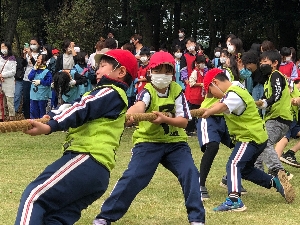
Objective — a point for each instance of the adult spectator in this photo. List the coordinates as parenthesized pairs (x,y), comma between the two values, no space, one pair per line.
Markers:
(111,35)
(8,67)
(137,41)
(180,41)
(99,46)
(30,55)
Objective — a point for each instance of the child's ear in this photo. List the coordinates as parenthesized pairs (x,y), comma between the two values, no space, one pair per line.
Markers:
(122,72)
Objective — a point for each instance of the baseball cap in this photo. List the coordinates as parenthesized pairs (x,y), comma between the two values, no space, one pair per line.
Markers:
(209,76)
(124,57)
(55,51)
(161,58)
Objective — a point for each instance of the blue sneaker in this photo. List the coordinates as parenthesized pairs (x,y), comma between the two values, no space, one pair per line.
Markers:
(228,205)
(284,187)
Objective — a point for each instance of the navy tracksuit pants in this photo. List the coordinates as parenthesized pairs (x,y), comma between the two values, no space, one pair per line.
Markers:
(59,194)
(241,165)
(177,158)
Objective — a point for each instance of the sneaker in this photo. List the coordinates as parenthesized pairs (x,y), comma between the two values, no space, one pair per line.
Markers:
(100,222)
(274,173)
(197,223)
(223,184)
(289,159)
(284,187)
(204,193)
(191,134)
(228,205)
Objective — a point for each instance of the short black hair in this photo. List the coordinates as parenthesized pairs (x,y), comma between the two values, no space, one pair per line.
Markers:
(110,43)
(128,78)
(285,51)
(176,48)
(272,55)
(221,77)
(249,57)
(145,51)
(182,30)
(191,39)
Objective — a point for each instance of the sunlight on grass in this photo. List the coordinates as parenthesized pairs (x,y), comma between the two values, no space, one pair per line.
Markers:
(23,157)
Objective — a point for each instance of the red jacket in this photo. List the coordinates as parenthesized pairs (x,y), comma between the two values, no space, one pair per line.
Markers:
(287,69)
(142,72)
(195,94)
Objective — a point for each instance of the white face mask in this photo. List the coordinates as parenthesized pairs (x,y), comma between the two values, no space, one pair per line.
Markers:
(202,65)
(219,46)
(178,55)
(86,60)
(191,48)
(4,51)
(231,49)
(217,54)
(34,47)
(44,52)
(180,35)
(144,59)
(222,60)
(161,80)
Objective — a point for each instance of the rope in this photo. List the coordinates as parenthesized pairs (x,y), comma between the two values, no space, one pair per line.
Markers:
(23,125)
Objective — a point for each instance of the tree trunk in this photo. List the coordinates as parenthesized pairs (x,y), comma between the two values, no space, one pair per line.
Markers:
(177,12)
(12,19)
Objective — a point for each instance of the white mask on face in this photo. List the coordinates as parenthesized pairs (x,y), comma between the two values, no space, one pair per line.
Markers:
(191,48)
(34,47)
(178,55)
(161,80)
(4,51)
(202,66)
(144,59)
(222,60)
(44,52)
(219,46)
(86,60)
(180,35)
(217,54)
(231,49)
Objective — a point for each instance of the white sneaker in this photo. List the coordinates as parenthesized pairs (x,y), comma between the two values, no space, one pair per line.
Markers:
(197,223)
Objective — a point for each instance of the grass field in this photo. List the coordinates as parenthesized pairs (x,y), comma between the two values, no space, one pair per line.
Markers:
(23,157)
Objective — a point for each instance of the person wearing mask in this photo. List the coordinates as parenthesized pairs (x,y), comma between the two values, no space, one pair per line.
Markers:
(180,41)
(8,66)
(137,41)
(30,55)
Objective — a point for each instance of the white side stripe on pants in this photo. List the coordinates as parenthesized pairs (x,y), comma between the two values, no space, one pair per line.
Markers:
(233,167)
(42,188)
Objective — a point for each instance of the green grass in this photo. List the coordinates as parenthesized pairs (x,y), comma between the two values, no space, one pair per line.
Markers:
(23,157)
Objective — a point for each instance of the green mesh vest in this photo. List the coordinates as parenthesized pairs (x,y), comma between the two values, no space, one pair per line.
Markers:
(294,109)
(163,133)
(248,126)
(99,138)
(281,108)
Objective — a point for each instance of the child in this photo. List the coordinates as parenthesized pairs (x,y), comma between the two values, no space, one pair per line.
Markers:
(178,54)
(95,123)
(287,66)
(223,59)
(216,61)
(40,90)
(142,72)
(194,91)
(277,102)
(247,131)
(294,130)
(160,141)
(81,69)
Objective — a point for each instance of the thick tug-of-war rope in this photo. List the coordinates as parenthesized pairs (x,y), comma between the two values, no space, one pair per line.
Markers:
(23,125)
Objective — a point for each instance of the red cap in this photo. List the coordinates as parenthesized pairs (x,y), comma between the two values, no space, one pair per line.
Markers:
(209,76)
(55,51)
(125,58)
(296,79)
(161,58)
